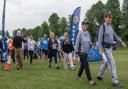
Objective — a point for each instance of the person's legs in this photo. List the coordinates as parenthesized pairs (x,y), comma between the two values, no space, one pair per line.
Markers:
(13,55)
(65,60)
(112,65)
(70,60)
(46,54)
(102,69)
(84,65)
(55,58)
(31,56)
(87,69)
(17,58)
(50,60)
(21,58)
(81,69)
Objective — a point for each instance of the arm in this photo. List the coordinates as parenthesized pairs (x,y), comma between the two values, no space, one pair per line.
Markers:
(90,39)
(100,37)
(118,39)
(23,40)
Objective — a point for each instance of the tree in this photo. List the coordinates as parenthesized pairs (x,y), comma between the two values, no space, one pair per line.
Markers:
(36,32)
(45,28)
(25,32)
(63,25)
(54,22)
(114,7)
(95,14)
(124,22)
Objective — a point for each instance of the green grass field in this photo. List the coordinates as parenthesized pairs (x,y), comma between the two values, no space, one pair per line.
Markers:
(39,76)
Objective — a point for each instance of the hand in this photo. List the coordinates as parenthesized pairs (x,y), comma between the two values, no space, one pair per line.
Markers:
(123,44)
(101,51)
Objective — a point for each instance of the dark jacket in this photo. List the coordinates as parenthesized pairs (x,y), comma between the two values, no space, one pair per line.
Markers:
(17,41)
(67,47)
(50,46)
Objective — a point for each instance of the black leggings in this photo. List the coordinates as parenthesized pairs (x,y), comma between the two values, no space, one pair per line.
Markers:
(84,65)
(53,56)
(31,56)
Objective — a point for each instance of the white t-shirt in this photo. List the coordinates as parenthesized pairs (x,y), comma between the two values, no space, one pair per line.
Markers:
(31,45)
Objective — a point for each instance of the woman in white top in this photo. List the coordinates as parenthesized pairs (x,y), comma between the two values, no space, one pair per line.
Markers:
(31,46)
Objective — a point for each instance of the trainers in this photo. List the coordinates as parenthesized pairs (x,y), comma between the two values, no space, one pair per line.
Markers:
(118,85)
(99,78)
(57,67)
(17,68)
(73,68)
(78,78)
(92,82)
(50,66)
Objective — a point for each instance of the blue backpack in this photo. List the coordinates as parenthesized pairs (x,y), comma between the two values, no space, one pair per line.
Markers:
(93,55)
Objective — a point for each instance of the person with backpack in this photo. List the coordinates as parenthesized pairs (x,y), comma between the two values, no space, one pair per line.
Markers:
(67,49)
(105,39)
(52,48)
(83,43)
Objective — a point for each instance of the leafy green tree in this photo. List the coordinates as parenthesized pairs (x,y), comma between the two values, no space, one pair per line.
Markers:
(45,28)
(114,7)
(124,22)
(63,25)
(36,32)
(95,16)
(54,22)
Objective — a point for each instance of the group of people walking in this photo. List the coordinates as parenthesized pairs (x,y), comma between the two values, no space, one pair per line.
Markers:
(106,37)
(50,47)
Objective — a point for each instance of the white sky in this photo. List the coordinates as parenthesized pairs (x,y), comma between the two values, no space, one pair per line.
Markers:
(30,13)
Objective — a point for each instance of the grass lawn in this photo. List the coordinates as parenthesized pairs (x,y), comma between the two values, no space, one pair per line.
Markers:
(39,76)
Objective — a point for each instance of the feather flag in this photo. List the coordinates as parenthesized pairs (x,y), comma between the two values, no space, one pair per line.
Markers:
(75,25)
(5,47)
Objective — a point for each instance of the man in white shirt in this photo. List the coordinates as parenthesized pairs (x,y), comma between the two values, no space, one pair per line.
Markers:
(31,46)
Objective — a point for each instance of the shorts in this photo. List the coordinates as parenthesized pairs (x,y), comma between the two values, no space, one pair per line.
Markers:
(44,51)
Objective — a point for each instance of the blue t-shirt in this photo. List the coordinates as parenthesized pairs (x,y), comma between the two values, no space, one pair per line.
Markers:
(44,44)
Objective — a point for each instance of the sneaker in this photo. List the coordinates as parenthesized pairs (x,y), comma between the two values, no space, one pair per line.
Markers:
(78,78)
(50,66)
(92,82)
(99,78)
(17,68)
(73,68)
(65,68)
(118,85)
(57,67)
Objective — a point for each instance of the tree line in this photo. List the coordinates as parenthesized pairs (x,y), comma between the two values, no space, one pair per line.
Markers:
(95,16)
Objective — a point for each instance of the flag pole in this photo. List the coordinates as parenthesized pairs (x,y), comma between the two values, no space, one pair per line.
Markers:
(3,28)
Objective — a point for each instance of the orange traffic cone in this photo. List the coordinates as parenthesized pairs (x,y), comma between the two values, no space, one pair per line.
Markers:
(8,65)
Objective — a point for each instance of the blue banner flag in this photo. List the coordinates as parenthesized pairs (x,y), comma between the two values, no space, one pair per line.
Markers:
(75,25)
(5,47)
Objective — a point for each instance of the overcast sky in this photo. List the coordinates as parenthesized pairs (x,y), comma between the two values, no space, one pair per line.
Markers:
(30,13)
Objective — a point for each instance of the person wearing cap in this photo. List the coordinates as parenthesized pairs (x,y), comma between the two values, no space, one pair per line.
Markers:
(17,42)
(105,39)
(83,43)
